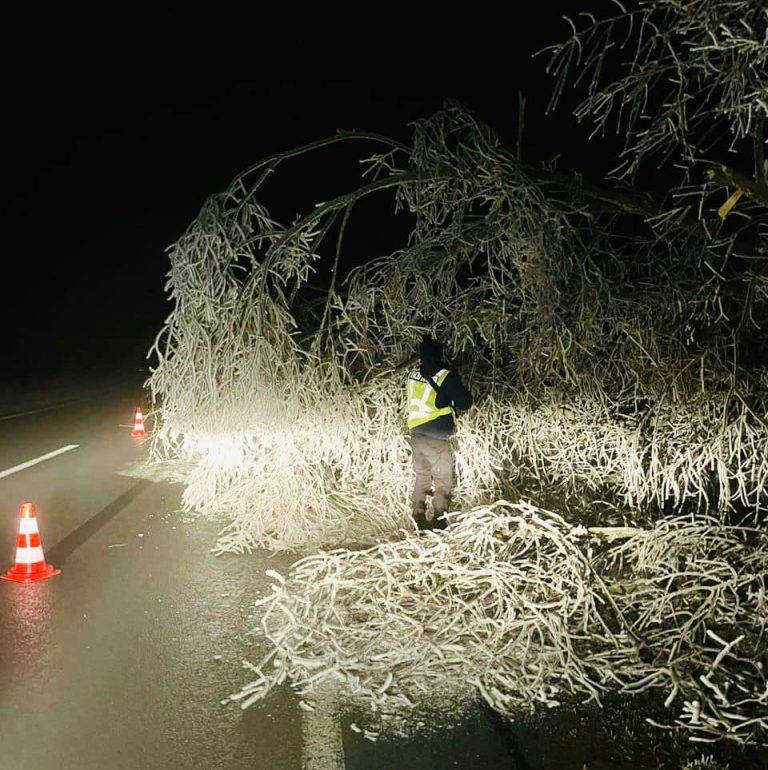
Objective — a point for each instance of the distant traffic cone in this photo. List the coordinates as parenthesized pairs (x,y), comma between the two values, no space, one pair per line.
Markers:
(30,563)
(138,425)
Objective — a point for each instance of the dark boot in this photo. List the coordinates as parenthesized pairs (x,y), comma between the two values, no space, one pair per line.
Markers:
(420,517)
(439,521)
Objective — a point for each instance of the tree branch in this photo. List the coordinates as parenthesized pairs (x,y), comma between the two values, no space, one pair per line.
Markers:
(730,177)
(761,172)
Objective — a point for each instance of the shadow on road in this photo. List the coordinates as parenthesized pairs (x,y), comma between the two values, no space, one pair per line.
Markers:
(64,548)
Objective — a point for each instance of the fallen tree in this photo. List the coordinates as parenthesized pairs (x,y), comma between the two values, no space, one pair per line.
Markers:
(598,358)
(514,605)
(616,347)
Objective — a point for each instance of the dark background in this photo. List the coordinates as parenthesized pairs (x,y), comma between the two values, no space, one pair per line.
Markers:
(117,129)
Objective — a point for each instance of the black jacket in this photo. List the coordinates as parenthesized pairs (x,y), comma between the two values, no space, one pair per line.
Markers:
(452,392)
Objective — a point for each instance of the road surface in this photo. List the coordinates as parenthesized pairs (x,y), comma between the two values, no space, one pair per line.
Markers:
(122,660)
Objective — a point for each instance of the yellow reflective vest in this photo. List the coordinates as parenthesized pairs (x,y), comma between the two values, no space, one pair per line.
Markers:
(421,399)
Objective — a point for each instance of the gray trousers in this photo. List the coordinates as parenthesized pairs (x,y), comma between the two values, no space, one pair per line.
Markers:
(433,462)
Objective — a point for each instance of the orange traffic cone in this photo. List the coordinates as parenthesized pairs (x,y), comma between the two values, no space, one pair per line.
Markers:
(138,425)
(30,563)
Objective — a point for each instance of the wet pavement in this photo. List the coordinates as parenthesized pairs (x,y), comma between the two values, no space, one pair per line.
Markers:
(122,661)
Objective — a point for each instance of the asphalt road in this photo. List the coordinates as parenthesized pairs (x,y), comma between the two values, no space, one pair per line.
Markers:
(123,659)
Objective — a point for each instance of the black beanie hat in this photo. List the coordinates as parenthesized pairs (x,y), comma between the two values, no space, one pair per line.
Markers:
(430,349)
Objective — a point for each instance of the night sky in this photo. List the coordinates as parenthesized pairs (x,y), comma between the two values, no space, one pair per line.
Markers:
(117,130)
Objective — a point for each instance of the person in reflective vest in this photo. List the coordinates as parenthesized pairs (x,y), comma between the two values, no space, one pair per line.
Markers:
(436,395)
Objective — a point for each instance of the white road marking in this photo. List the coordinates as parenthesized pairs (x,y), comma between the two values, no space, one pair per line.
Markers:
(42,458)
(42,409)
(322,744)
